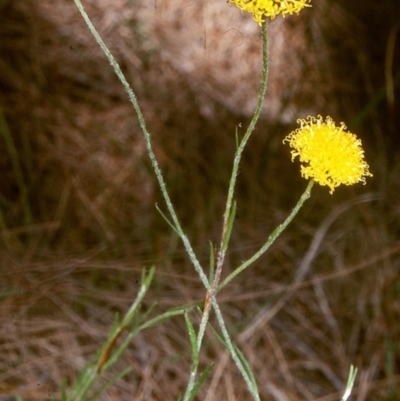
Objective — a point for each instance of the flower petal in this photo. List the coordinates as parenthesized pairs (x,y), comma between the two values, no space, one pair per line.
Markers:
(329,155)
(263,9)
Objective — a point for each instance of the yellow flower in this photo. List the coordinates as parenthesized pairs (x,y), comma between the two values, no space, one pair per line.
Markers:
(330,156)
(262,9)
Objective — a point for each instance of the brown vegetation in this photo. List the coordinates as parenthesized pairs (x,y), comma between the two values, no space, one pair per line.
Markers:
(77,201)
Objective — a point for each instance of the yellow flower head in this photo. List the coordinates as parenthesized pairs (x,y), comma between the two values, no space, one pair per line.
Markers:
(263,9)
(330,156)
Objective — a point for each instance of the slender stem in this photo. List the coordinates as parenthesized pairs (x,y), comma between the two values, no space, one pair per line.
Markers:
(193,373)
(238,156)
(251,386)
(228,209)
(149,146)
(271,239)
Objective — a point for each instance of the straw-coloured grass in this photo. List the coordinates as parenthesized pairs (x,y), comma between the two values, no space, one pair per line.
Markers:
(78,218)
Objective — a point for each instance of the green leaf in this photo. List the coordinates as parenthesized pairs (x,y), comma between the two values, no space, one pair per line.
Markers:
(212,263)
(246,367)
(168,221)
(109,383)
(193,339)
(231,220)
(201,380)
(350,383)
(242,360)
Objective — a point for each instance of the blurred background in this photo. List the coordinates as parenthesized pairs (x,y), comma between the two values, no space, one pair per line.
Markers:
(78,218)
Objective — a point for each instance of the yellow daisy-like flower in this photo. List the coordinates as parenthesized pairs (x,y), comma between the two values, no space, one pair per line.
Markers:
(263,9)
(330,156)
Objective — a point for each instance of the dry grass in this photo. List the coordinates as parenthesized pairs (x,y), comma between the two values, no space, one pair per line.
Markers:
(79,223)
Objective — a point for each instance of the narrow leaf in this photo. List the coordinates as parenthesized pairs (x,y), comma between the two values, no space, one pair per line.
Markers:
(212,263)
(193,338)
(231,220)
(109,383)
(201,380)
(168,221)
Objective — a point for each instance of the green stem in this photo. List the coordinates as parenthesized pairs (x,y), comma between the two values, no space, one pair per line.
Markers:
(275,234)
(195,366)
(226,232)
(250,385)
(149,146)
(237,159)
